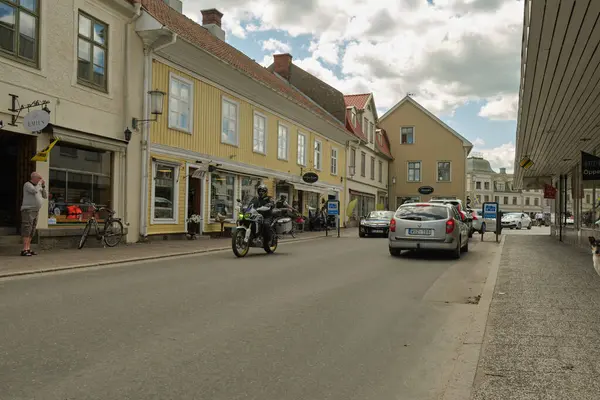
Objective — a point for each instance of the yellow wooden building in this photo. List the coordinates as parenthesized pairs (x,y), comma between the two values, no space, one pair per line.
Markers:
(227,125)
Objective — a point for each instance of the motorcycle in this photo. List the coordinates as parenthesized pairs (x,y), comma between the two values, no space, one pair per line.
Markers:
(248,230)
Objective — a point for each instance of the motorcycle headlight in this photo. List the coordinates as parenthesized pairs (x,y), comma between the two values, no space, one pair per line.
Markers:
(240,216)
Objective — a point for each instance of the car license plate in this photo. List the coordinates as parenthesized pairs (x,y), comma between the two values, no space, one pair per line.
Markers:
(419,232)
(377,230)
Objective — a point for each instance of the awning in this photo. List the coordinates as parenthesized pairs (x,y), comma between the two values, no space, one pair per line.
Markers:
(88,140)
(241,171)
(309,188)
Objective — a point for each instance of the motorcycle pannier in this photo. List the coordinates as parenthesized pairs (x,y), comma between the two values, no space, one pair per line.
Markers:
(283,226)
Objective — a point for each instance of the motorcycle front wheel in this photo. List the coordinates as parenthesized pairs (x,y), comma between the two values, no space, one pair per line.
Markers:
(271,249)
(237,243)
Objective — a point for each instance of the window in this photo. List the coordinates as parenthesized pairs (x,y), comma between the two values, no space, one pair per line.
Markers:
(414,171)
(527,201)
(500,186)
(19,31)
(363,164)
(353,114)
(165,192)
(92,49)
(373,168)
(587,199)
(221,195)
(371,132)
(477,185)
(301,149)
(248,188)
(380,172)
(536,202)
(486,198)
(443,171)
(74,181)
(260,131)
(486,185)
(353,158)
(365,126)
(505,200)
(180,100)
(282,142)
(478,198)
(334,160)
(497,199)
(407,135)
(514,201)
(317,155)
(229,122)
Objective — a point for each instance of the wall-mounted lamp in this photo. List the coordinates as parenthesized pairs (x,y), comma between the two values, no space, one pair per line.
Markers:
(156,108)
(127,135)
(394,180)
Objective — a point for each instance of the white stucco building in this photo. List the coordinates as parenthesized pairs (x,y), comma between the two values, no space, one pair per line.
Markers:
(81,61)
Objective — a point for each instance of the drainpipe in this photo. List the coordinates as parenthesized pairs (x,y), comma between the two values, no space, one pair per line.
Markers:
(126,107)
(146,135)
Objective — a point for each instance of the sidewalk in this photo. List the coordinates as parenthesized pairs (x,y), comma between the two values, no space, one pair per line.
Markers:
(56,260)
(542,339)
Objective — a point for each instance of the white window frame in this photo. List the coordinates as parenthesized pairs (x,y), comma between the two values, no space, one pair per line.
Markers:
(318,167)
(365,125)
(380,172)
(372,167)
(254,116)
(334,161)
(437,175)
(302,161)
(173,76)
(408,170)
(372,132)
(363,164)
(414,136)
(225,99)
(287,141)
(353,117)
(175,219)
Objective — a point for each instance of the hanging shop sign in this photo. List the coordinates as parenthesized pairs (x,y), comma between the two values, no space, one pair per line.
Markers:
(310,177)
(425,190)
(36,120)
(590,167)
(549,192)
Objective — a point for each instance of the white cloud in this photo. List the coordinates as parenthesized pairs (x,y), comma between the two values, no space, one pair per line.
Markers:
(276,46)
(446,54)
(499,157)
(479,142)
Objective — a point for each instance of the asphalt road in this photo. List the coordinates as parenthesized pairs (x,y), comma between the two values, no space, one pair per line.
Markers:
(326,319)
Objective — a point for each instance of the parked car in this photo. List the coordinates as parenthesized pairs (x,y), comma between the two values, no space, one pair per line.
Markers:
(516,220)
(376,223)
(455,202)
(467,219)
(428,226)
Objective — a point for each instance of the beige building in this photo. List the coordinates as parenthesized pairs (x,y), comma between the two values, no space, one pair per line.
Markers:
(72,60)
(426,152)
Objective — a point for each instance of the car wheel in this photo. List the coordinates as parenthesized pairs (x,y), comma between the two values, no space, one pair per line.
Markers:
(361,234)
(466,248)
(519,226)
(456,252)
(529,226)
(395,252)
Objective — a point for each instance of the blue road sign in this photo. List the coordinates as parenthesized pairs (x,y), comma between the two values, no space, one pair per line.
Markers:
(333,207)
(490,210)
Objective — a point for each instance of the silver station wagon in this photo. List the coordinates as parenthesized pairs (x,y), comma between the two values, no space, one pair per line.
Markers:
(428,226)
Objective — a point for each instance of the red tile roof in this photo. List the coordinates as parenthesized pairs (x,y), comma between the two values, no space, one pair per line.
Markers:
(202,38)
(355,130)
(357,100)
(383,144)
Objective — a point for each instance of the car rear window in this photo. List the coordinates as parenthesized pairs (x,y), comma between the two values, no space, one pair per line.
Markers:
(422,212)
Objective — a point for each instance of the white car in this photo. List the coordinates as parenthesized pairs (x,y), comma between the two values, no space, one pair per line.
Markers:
(516,220)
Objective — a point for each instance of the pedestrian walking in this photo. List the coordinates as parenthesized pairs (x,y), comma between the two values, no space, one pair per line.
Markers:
(34,193)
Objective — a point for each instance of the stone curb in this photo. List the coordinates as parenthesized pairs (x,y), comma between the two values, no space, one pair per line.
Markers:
(134,259)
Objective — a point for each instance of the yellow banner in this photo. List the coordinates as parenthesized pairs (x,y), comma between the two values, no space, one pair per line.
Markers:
(42,156)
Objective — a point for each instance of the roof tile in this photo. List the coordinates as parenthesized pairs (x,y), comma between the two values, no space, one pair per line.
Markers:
(357,100)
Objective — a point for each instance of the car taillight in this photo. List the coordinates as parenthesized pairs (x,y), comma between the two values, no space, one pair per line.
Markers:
(393,225)
(474,217)
(450,226)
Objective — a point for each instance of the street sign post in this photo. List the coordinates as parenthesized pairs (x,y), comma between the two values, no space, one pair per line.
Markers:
(491,211)
(333,208)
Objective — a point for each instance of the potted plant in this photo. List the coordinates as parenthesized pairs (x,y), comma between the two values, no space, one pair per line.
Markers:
(193,225)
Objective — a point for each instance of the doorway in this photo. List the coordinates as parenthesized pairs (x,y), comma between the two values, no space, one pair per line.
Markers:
(16,167)
(194,195)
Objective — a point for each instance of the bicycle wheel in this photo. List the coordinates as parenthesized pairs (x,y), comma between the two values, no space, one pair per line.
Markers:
(113,232)
(86,232)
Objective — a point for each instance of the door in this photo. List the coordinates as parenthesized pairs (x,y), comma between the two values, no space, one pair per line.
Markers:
(194,198)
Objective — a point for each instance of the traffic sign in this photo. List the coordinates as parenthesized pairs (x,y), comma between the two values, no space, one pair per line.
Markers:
(333,207)
(490,210)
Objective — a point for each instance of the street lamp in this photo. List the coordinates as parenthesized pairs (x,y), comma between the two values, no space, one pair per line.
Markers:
(156,108)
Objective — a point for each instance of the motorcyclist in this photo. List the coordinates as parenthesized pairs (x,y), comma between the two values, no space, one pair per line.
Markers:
(264,200)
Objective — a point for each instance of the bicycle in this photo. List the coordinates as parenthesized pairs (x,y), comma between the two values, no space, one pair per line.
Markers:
(113,228)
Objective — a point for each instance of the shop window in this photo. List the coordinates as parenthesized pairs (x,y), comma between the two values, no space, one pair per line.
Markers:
(443,171)
(180,103)
(19,30)
(334,161)
(222,195)
(92,50)
(165,192)
(414,171)
(77,177)
(248,189)
(229,122)
(282,142)
(260,132)
(407,135)
(318,155)
(301,149)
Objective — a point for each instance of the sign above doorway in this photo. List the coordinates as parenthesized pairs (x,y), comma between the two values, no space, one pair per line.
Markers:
(425,190)
(310,177)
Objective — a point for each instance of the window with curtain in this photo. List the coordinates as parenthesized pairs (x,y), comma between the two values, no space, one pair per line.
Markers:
(334,161)
(229,122)
(443,169)
(282,142)
(414,171)
(318,155)
(260,126)
(301,149)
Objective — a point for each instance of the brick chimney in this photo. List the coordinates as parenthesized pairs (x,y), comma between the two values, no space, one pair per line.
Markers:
(211,20)
(283,65)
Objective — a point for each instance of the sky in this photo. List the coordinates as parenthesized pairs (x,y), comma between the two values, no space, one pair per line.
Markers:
(458,58)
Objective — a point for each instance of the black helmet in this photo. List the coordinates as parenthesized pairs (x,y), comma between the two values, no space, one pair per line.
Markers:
(262,190)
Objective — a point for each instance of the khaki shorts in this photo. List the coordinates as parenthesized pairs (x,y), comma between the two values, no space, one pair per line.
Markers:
(29,219)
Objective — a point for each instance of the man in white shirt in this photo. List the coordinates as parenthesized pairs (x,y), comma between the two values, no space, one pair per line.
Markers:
(34,193)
